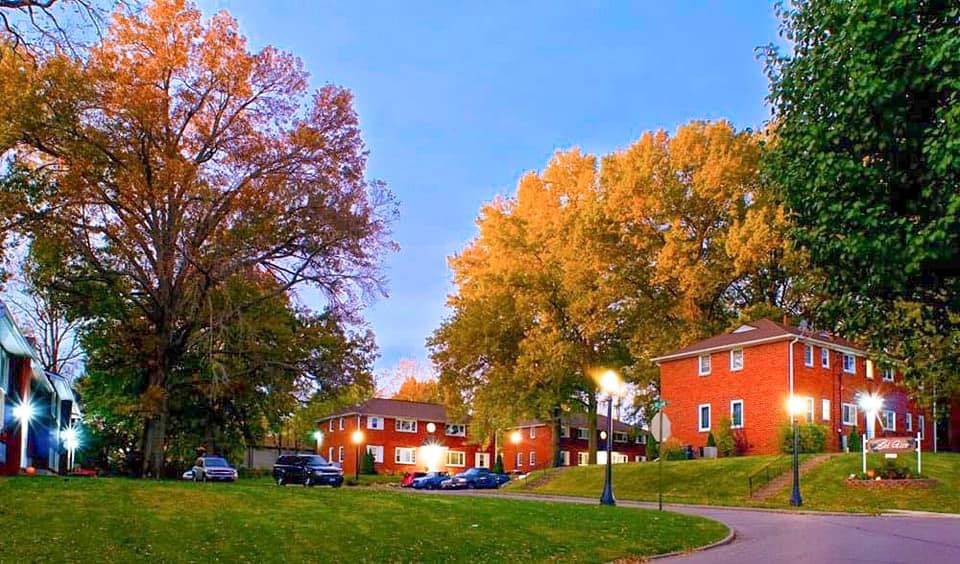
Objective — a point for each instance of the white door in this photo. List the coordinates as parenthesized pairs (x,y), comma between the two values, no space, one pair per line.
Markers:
(482,460)
(565,457)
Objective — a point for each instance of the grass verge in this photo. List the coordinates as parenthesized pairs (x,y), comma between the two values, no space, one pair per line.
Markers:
(116,520)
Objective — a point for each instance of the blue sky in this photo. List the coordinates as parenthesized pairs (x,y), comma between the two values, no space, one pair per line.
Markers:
(457,100)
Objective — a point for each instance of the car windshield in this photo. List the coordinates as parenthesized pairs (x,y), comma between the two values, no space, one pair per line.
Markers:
(315,460)
(215,463)
(473,472)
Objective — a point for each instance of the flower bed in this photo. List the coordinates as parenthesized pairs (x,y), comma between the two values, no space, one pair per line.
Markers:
(894,483)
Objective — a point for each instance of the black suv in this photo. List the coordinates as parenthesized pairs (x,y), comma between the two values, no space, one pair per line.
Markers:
(306,469)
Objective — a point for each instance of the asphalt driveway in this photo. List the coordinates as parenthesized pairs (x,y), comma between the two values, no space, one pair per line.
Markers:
(781,537)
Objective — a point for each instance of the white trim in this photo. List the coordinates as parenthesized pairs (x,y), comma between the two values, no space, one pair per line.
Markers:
(377,453)
(742,414)
(533,458)
(700,427)
(564,431)
(519,460)
(585,436)
(920,422)
(775,338)
(824,357)
(340,425)
(564,458)
(481,459)
(532,432)
(909,422)
(825,409)
(891,372)
(853,410)
(583,458)
(733,366)
(893,419)
(377,418)
(808,355)
(700,371)
(408,460)
(843,363)
(340,455)
(460,432)
(396,425)
(463,458)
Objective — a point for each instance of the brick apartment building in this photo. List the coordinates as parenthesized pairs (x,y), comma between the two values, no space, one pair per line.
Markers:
(406,436)
(749,373)
(534,450)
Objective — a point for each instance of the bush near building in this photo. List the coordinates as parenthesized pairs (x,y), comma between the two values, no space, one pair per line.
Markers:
(813,437)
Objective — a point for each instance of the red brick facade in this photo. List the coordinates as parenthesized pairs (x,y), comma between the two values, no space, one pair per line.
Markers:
(534,451)
(756,375)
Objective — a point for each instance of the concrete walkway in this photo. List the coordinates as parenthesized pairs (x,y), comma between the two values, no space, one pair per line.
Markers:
(788,537)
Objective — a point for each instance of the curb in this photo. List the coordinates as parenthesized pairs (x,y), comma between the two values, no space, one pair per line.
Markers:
(731,536)
(912,513)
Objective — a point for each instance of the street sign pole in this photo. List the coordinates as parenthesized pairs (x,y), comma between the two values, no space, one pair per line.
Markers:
(660,470)
(660,434)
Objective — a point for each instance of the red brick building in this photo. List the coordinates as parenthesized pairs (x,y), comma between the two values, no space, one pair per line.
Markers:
(534,450)
(748,375)
(404,436)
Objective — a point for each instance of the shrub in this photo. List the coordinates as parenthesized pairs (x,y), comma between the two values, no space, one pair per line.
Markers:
(672,449)
(498,465)
(367,464)
(711,441)
(854,441)
(813,437)
(726,446)
(653,447)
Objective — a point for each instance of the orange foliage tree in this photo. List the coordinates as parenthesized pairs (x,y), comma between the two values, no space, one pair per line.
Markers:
(176,158)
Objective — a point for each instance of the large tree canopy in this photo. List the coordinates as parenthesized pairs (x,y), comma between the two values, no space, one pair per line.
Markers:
(174,160)
(867,114)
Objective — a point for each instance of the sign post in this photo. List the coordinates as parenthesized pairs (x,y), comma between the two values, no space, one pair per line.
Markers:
(919,456)
(660,429)
(863,452)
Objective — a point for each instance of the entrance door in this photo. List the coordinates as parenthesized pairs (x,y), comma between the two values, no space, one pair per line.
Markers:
(482,460)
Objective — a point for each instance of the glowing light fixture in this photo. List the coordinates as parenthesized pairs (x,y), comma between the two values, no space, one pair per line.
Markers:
(871,403)
(70,438)
(23,411)
(610,383)
(603,435)
(432,455)
(357,437)
(516,437)
(431,427)
(795,405)
(318,436)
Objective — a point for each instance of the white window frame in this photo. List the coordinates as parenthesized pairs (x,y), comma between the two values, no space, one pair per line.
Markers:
(921,430)
(341,424)
(482,459)
(733,424)
(887,375)
(843,414)
(700,426)
(330,427)
(824,357)
(808,355)
(908,422)
(398,457)
(893,418)
(811,410)
(533,458)
(455,430)
(405,425)
(853,362)
(377,451)
(734,355)
(825,409)
(462,455)
(519,459)
(340,455)
(583,433)
(564,431)
(330,453)
(375,422)
(564,458)
(700,359)
(532,432)
(619,437)
(583,458)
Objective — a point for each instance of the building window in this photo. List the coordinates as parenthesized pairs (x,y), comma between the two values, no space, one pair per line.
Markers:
(339,454)
(583,433)
(404,455)
(825,409)
(849,364)
(889,420)
(808,355)
(565,458)
(736,360)
(583,458)
(405,425)
(736,414)
(888,374)
(483,460)
(533,432)
(909,422)
(533,458)
(375,423)
(703,417)
(519,459)
(642,439)
(825,357)
(377,452)
(810,413)
(330,427)
(849,414)
(455,430)
(619,437)
(920,425)
(456,458)
(341,423)
(704,364)
(330,454)
(564,432)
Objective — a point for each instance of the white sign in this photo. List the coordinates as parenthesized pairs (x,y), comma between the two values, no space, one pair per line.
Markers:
(660,427)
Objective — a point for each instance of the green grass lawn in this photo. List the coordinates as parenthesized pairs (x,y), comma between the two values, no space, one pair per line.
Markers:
(120,520)
(721,481)
(824,487)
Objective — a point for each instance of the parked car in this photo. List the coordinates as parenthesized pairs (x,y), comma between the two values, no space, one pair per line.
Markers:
(309,470)
(471,479)
(213,468)
(188,475)
(431,481)
(409,477)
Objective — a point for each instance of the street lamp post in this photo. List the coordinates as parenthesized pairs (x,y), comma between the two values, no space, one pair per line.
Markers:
(515,438)
(610,383)
(795,406)
(357,439)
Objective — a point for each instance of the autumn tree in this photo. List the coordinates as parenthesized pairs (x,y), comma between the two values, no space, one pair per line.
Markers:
(42,26)
(178,160)
(427,391)
(867,113)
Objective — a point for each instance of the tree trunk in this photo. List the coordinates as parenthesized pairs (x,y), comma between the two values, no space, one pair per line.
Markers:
(592,428)
(154,404)
(555,438)
(154,433)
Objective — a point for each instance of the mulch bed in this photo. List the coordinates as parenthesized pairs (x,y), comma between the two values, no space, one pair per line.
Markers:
(887,484)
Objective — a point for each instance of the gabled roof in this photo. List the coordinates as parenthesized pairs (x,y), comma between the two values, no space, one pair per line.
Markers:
(762,331)
(395,408)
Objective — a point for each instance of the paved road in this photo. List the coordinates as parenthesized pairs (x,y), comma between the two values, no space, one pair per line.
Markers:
(765,536)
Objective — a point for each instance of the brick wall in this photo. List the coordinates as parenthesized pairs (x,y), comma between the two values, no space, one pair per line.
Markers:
(540,444)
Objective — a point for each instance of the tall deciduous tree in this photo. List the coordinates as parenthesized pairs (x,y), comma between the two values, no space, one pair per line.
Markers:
(867,111)
(178,160)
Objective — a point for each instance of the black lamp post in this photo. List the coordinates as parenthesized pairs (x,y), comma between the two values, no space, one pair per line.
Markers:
(610,383)
(357,439)
(795,499)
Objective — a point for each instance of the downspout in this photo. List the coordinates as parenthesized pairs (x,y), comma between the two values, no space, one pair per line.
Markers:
(790,371)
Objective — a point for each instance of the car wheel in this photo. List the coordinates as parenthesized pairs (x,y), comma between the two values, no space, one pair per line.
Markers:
(471,486)
(280,480)
(307,482)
